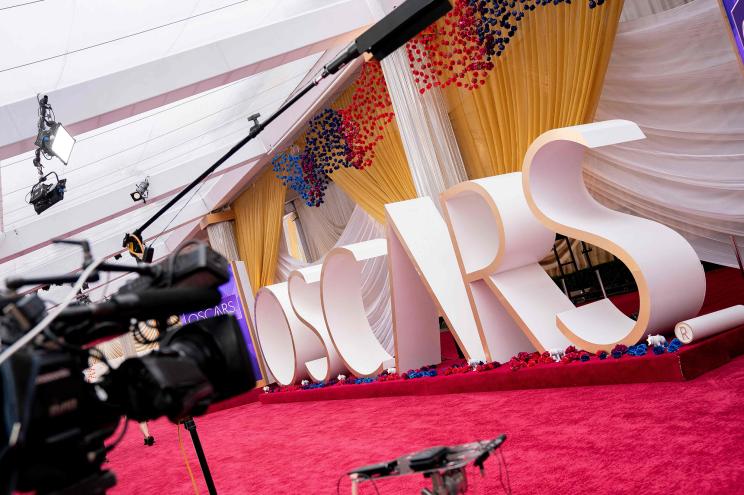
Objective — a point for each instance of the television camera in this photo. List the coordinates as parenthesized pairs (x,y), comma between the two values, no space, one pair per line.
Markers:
(54,423)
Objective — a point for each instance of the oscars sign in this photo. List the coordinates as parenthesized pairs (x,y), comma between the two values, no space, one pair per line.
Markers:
(477,265)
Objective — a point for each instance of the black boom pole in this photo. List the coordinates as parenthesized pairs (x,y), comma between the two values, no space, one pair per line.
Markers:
(389,33)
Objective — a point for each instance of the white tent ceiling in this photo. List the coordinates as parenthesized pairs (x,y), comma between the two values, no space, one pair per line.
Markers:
(156,89)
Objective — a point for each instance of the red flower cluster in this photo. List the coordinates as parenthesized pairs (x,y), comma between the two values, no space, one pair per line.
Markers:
(457,369)
(455,48)
(388,377)
(367,115)
(529,359)
(572,354)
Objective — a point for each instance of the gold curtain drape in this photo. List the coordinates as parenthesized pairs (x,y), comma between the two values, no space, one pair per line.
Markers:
(387,180)
(550,75)
(258,223)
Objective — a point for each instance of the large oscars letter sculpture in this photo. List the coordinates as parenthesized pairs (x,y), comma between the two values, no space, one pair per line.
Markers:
(304,294)
(416,231)
(287,344)
(499,246)
(343,308)
(670,278)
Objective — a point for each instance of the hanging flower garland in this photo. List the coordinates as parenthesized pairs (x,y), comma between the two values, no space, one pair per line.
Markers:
(325,150)
(338,139)
(365,118)
(461,49)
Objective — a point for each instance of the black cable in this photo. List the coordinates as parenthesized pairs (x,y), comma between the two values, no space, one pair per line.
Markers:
(20,5)
(20,160)
(122,37)
(82,167)
(178,213)
(508,488)
(501,478)
(93,192)
(174,255)
(111,446)
(374,483)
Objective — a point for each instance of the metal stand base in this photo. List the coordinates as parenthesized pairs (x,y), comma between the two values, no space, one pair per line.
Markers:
(191,426)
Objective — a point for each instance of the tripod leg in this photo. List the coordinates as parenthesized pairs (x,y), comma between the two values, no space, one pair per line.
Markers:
(191,426)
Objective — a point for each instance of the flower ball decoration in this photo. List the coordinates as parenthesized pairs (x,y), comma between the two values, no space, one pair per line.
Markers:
(461,49)
(288,169)
(325,142)
(339,139)
(325,150)
(366,116)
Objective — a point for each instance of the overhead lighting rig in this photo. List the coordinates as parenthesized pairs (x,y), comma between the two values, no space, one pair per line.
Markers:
(52,140)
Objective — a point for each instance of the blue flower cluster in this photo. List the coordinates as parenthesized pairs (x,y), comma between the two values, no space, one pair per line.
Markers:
(674,345)
(421,374)
(641,349)
(325,151)
(314,385)
(288,169)
(637,350)
(368,379)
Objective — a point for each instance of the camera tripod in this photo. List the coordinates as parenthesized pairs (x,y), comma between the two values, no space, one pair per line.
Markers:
(190,425)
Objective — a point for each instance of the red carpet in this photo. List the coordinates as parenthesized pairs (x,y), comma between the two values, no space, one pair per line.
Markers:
(676,437)
(661,437)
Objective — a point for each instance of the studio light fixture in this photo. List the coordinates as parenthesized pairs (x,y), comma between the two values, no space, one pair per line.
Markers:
(44,194)
(141,191)
(52,138)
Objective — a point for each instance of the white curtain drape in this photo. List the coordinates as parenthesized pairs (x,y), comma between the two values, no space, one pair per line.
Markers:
(676,75)
(375,288)
(425,129)
(222,239)
(633,9)
(322,225)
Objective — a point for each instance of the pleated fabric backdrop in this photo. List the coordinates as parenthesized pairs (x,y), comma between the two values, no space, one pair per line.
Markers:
(387,180)
(222,239)
(675,73)
(322,225)
(258,225)
(550,75)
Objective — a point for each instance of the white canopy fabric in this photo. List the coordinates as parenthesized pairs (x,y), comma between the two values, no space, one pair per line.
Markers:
(150,89)
(675,73)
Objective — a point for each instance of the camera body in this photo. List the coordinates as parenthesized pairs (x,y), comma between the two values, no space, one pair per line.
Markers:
(54,423)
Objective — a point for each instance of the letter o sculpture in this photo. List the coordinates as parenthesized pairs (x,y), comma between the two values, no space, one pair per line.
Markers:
(287,344)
